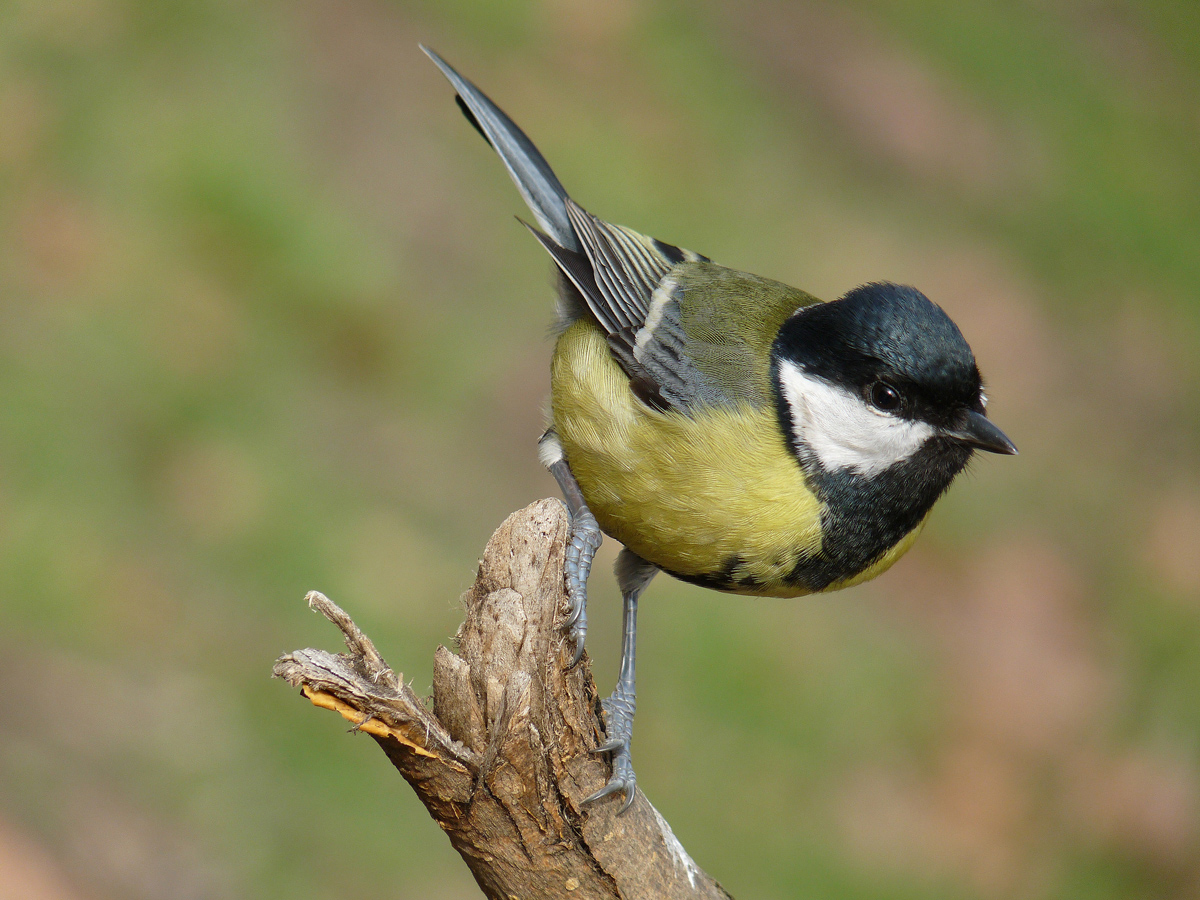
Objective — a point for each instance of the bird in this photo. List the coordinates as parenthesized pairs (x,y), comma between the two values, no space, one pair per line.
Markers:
(727,429)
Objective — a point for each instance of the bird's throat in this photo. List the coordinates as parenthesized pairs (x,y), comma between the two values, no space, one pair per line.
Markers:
(864,517)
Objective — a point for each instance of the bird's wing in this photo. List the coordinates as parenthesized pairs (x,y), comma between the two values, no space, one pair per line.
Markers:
(626,266)
(616,271)
(706,337)
(687,331)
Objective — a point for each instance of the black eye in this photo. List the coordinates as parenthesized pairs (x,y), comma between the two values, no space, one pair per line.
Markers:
(884,397)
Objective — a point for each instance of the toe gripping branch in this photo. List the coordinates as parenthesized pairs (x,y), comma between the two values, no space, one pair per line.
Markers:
(619,709)
(633,574)
(581,550)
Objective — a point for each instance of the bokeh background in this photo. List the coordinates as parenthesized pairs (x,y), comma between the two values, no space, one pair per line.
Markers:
(267,325)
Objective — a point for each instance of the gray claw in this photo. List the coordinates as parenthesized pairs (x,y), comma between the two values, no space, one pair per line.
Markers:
(618,714)
(576,637)
(622,780)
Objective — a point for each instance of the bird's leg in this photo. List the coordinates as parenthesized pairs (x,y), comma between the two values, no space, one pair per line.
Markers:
(581,549)
(633,574)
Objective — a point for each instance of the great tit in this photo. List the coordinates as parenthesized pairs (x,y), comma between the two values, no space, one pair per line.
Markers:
(727,429)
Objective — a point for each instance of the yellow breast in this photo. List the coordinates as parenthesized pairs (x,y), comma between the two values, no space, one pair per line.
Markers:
(696,496)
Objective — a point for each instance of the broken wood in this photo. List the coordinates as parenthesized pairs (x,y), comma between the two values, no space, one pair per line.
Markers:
(505,757)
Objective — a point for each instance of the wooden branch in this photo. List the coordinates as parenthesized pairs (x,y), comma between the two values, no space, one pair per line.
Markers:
(505,757)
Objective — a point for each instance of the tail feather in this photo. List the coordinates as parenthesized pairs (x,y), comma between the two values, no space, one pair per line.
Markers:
(536,181)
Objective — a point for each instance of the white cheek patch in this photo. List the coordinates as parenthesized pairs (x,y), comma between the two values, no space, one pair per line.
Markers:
(842,430)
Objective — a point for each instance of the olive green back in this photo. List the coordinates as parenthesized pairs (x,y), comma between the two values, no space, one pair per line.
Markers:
(724,323)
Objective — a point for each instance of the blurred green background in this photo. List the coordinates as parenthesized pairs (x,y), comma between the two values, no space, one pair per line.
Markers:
(267,325)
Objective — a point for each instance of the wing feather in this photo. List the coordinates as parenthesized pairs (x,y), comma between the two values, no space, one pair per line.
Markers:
(625,282)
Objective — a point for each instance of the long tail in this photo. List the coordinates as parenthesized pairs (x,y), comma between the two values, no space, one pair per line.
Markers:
(533,176)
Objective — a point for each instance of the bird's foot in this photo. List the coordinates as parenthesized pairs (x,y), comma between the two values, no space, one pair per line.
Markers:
(618,714)
(585,540)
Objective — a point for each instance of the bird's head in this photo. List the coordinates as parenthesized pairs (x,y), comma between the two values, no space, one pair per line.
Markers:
(879,379)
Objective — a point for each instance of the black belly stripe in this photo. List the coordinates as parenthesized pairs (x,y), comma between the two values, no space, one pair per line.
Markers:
(865,517)
(721,579)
